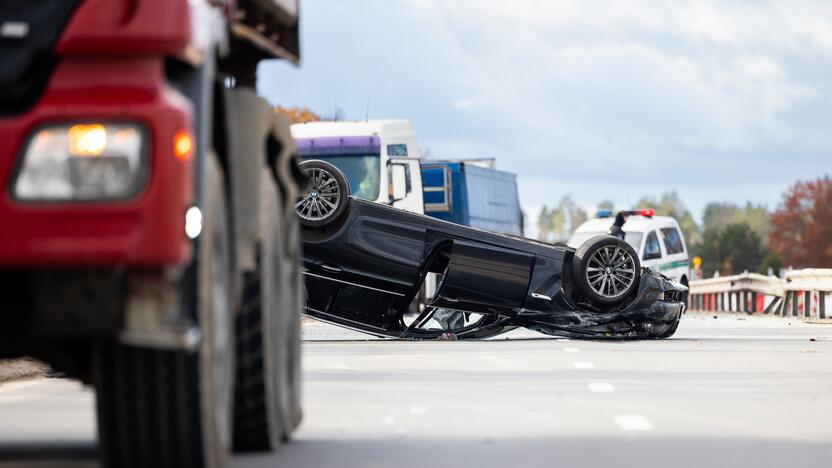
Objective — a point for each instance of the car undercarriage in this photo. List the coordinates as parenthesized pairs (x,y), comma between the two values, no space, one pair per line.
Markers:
(364,264)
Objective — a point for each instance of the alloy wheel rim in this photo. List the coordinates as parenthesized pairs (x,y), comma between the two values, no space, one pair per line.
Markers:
(323,196)
(611,271)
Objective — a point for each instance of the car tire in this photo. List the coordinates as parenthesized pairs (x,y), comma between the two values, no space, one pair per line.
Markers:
(262,412)
(327,196)
(606,270)
(173,408)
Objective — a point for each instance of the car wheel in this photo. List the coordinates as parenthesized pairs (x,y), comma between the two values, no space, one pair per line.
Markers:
(174,407)
(606,270)
(327,196)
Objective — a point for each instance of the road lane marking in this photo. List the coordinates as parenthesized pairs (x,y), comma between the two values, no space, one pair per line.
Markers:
(572,350)
(600,387)
(633,422)
(584,365)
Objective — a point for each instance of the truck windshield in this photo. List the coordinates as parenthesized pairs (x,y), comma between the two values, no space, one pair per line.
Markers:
(578,238)
(362,171)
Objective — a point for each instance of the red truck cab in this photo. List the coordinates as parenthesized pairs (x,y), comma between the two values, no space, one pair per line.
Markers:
(102,75)
(138,216)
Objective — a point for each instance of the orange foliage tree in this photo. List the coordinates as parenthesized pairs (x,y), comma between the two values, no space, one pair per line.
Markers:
(297,114)
(802,225)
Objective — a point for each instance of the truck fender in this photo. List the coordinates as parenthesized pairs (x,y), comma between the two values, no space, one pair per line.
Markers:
(248,120)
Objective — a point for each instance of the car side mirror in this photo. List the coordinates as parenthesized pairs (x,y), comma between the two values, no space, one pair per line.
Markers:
(399,182)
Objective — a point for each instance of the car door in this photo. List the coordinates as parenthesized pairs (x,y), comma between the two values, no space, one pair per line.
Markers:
(484,278)
(368,269)
(372,252)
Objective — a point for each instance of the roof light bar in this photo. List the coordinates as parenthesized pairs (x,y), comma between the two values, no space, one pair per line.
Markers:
(648,212)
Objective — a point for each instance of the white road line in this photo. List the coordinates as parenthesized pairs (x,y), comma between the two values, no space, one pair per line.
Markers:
(600,387)
(584,365)
(633,422)
(572,350)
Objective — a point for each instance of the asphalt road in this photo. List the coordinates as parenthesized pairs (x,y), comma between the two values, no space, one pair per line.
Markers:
(730,392)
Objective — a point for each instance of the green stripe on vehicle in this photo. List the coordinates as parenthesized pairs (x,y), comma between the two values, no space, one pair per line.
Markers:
(676,264)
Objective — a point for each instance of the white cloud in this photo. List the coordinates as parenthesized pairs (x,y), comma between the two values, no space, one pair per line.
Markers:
(672,94)
(582,96)
(468,103)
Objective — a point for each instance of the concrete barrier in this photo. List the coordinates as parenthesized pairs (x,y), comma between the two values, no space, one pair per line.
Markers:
(803,293)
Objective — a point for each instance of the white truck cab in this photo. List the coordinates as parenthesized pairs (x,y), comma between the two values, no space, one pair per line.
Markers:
(379,157)
(657,240)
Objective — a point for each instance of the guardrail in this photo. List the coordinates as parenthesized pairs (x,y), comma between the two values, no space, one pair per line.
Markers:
(807,291)
(803,293)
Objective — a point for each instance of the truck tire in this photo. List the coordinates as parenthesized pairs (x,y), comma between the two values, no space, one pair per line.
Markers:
(172,408)
(606,270)
(327,196)
(290,179)
(262,411)
(291,304)
(297,302)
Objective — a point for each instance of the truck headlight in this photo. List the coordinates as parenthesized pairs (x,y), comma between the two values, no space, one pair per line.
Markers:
(89,161)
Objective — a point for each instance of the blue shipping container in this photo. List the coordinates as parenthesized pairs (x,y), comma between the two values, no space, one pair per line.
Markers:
(472,196)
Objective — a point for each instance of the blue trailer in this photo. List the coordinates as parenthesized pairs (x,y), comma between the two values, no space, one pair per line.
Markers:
(472,195)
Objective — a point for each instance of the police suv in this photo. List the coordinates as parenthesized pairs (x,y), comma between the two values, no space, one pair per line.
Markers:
(657,240)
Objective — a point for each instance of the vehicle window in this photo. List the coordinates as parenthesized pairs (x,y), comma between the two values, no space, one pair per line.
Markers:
(362,171)
(634,239)
(651,247)
(397,150)
(578,238)
(408,184)
(672,240)
(408,187)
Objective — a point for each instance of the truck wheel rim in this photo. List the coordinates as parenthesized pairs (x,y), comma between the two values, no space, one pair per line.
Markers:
(323,196)
(611,271)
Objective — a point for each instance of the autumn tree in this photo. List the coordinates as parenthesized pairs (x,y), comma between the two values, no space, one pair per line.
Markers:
(297,114)
(801,233)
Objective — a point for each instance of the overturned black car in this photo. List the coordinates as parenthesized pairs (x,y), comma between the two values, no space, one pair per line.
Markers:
(364,264)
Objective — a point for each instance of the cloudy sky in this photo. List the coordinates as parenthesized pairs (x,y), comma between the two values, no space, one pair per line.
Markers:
(719,100)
